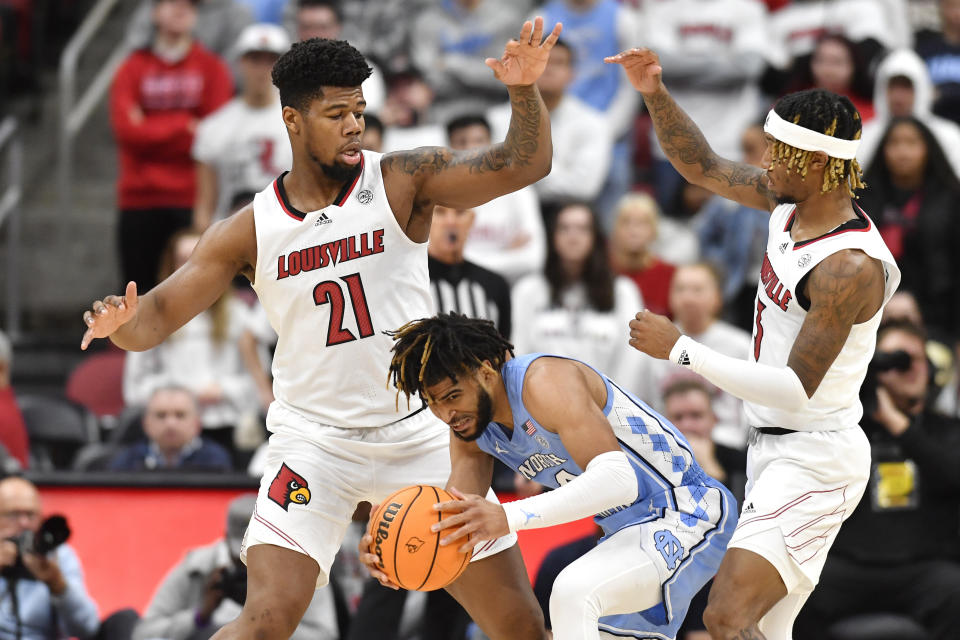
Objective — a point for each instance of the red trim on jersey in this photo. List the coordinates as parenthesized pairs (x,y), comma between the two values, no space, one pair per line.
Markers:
(277,530)
(283,205)
(789,224)
(860,214)
(340,201)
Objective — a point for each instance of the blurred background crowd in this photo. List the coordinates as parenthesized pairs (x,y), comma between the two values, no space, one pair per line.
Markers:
(189,129)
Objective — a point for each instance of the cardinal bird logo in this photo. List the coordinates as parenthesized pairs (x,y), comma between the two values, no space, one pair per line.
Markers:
(414,544)
(287,487)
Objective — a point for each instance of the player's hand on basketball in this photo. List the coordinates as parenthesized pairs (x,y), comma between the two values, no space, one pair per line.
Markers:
(474,516)
(642,67)
(107,315)
(525,59)
(370,560)
(653,334)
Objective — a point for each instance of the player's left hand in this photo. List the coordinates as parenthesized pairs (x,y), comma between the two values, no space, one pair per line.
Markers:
(370,560)
(525,59)
(653,334)
(475,515)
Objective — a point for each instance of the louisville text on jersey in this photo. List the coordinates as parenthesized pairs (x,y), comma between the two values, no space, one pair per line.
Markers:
(780,295)
(333,252)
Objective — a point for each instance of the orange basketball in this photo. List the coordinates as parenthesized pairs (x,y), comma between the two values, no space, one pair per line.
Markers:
(410,554)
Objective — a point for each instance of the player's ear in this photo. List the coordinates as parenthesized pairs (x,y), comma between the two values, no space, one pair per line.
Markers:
(292,119)
(818,160)
(486,373)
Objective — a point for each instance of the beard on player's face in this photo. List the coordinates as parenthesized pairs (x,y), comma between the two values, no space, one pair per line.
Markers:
(483,415)
(338,171)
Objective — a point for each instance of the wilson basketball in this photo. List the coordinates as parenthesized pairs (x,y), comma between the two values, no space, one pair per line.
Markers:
(410,554)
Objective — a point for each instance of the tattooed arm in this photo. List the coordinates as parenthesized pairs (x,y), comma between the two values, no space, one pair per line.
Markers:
(417,180)
(683,142)
(845,289)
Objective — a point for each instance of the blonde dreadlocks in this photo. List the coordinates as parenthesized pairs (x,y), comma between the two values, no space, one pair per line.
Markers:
(827,113)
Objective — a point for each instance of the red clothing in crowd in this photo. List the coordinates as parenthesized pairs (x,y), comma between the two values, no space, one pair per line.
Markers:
(654,284)
(13,432)
(156,169)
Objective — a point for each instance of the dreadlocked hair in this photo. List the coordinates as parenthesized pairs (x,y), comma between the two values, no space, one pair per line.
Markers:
(827,113)
(430,350)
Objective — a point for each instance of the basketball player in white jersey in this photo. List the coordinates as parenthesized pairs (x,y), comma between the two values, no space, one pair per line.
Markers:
(336,250)
(826,276)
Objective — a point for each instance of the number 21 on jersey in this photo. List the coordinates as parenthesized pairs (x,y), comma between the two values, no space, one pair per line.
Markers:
(331,292)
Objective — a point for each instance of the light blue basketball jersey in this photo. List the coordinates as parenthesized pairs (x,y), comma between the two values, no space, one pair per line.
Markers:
(690,516)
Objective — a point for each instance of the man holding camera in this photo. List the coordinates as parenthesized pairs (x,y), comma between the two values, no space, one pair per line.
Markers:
(898,552)
(42,596)
(209,586)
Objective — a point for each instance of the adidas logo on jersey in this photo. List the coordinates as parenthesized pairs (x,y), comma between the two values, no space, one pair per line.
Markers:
(783,247)
(323,219)
(684,359)
(749,508)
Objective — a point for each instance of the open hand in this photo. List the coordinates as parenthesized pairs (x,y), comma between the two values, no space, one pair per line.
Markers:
(369,559)
(642,67)
(525,59)
(653,334)
(107,315)
(477,518)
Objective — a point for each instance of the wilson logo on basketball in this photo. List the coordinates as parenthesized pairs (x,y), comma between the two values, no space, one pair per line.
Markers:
(414,544)
(383,529)
(288,486)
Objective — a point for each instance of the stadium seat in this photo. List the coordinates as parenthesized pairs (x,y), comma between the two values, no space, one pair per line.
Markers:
(877,626)
(57,429)
(97,383)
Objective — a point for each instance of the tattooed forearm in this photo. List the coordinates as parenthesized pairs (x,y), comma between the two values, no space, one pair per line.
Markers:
(688,150)
(844,289)
(527,126)
(753,633)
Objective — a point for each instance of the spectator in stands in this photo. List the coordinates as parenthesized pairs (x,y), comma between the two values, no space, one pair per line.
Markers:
(898,551)
(218,25)
(715,51)
(207,589)
(172,425)
(836,65)
(507,235)
(903,88)
(941,51)
(459,285)
(265,11)
(577,307)
(46,598)
(243,145)
(912,197)
(203,356)
(450,42)
(582,140)
(407,113)
(794,30)
(696,304)
(159,94)
(13,431)
(595,29)
(631,250)
(372,138)
(324,19)
(688,405)
(733,238)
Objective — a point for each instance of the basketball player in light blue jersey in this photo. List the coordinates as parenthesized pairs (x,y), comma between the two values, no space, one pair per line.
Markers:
(605,453)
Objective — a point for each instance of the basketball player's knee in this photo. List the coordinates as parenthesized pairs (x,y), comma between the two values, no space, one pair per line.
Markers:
(268,619)
(724,621)
(572,595)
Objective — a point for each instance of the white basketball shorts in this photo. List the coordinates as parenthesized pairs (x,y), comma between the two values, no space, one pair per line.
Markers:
(802,485)
(316,475)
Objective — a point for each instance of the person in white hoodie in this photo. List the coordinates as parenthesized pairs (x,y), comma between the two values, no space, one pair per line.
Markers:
(903,88)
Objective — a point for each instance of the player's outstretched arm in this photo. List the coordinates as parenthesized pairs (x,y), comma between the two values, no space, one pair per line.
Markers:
(683,142)
(137,324)
(426,176)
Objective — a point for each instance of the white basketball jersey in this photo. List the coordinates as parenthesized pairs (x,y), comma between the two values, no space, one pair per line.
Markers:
(780,311)
(331,282)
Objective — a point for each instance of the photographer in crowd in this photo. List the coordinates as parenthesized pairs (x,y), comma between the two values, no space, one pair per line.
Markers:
(898,552)
(42,595)
(208,588)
